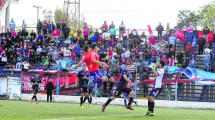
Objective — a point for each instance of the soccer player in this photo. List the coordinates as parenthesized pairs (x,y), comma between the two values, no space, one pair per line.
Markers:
(35,86)
(102,58)
(158,72)
(126,96)
(91,67)
(96,75)
(121,88)
(83,77)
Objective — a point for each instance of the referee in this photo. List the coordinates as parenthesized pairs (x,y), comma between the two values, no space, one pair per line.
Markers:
(83,77)
(159,72)
(35,86)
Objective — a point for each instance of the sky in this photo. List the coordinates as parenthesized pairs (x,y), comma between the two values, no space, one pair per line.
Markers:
(135,13)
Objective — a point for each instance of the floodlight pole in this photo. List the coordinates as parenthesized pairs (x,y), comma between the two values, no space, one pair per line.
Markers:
(38,11)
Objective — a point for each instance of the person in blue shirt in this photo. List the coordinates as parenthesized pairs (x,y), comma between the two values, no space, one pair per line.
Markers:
(122,88)
(59,68)
(40,37)
(78,51)
(194,41)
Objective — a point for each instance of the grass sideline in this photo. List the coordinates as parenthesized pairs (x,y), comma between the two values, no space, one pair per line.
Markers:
(23,110)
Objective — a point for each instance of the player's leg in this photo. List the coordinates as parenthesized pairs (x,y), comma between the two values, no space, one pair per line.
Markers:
(116,94)
(151,102)
(125,99)
(111,80)
(82,95)
(85,94)
(131,97)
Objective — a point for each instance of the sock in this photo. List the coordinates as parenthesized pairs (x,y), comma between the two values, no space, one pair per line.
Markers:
(130,101)
(125,102)
(91,100)
(149,105)
(152,106)
(134,102)
(88,99)
(81,101)
(111,86)
(35,98)
(85,98)
(108,101)
(105,87)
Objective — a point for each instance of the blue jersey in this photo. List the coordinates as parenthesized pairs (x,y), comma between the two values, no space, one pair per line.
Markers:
(123,83)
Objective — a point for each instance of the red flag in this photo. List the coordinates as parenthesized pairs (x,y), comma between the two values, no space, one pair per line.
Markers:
(149,29)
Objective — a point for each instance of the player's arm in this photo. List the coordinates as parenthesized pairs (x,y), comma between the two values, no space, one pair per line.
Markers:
(155,73)
(76,66)
(96,61)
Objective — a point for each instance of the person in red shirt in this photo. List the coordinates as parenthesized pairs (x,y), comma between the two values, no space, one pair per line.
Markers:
(96,75)
(188,49)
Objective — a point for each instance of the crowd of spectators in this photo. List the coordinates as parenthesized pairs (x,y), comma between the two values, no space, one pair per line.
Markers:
(21,50)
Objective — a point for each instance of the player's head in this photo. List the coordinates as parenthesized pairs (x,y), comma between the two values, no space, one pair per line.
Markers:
(86,48)
(162,63)
(37,75)
(128,67)
(94,47)
(103,56)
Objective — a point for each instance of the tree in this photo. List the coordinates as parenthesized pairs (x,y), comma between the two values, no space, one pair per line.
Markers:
(48,15)
(207,16)
(187,18)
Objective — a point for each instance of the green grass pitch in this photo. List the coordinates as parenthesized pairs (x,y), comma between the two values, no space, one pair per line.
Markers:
(23,110)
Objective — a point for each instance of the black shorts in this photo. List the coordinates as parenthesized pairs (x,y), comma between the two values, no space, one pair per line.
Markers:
(119,91)
(155,92)
(35,91)
(83,90)
(108,76)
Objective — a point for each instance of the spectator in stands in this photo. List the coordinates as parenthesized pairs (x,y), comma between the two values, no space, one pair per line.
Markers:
(13,34)
(86,35)
(19,62)
(45,28)
(55,55)
(207,49)
(112,31)
(104,27)
(39,27)
(207,61)
(33,35)
(121,29)
(160,30)
(167,34)
(190,33)
(8,34)
(111,25)
(12,25)
(51,26)
(194,41)
(152,41)
(24,26)
(165,59)
(206,31)
(78,51)
(188,49)
(25,66)
(58,24)
(56,34)
(172,41)
(192,61)
(179,57)
(73,56)
(201,43)
(172,61)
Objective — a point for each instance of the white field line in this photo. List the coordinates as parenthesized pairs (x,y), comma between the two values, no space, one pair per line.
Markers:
(94,117)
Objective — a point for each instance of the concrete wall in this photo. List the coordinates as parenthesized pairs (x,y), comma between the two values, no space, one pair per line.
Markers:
(119,101)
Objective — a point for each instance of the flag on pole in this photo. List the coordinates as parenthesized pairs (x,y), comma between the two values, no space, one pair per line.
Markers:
(149,29)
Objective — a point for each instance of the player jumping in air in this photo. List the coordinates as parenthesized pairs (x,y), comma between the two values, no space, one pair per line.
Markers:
(102,58)
(122,88)
(158,72)
(92,63)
